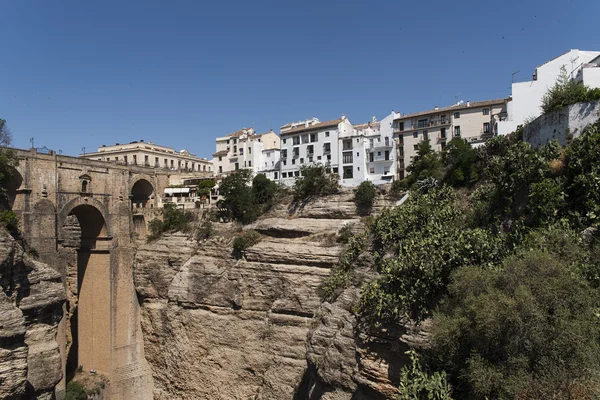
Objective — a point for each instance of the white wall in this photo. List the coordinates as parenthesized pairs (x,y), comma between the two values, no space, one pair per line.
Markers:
(527,96)
(571,120)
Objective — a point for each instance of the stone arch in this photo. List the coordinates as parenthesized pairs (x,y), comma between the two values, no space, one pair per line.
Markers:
(85,247)
(141,192)
(80,201)
(14,184)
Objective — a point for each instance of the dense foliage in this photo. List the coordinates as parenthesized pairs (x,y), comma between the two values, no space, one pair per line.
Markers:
(246,198)
(315,180)
(417,384)
(204,187)
(490,246)
(365,197)
(567,91)
(8,161)
(526,330)
(427,163)
(173,219)
(75,391)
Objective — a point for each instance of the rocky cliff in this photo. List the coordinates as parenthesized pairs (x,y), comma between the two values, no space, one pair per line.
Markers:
(30,310)
(218,327)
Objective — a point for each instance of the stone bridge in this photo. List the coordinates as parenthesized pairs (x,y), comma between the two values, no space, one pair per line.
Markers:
(83,217)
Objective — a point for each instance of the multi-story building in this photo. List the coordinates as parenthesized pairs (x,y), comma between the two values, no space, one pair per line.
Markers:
(380,146)
(150,155)
(474,122)
(526,99)
(311,142)
(245,149)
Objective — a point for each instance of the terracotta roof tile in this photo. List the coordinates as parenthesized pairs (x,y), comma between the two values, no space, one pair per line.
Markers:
(302,128)
(453,108)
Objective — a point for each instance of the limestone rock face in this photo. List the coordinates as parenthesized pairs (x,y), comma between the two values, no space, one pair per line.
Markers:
(218,327)
(30,310)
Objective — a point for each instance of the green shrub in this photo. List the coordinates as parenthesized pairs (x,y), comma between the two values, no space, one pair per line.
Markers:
(315,180)
(238,198)
(425,164)
(460,161)
(75,391)
(526,330)
(417,384)
(345,233)
(173,220)
(365,197)
(9,221)
(263,189)
(248,239)
(546,200)
(340,276)
(398,189)
(567,91)
(204,187)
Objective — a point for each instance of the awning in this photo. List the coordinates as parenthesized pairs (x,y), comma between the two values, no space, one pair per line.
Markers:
(176,190)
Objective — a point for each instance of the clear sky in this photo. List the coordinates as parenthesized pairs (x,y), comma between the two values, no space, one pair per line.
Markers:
(180,73)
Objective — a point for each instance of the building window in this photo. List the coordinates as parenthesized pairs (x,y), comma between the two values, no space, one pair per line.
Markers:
(371,142)
(135,159)
(443,145)
(347,173)
(296,173)
(425,135)
(443,133)
(357,140)
(443,119)
(284,153)
(457,131)
(416,134)
(237,166)
(234,150)
(457,114)
(387,155)
(401,126)
(241,151)
(416,147)
(326,134)
(310,149)
(249,150)
(220,169)
(284,174)
(326,147)
(486,111)
(371,157)
(283,143)
(357,154)
(314,137)
(146,159)
(250,163)
(302,161)
(293,161)
(328,157)
(220,158)
(347,144)
(304,138)
(378,154)
(284,162)
(296,140)
(347,157)
(296,152)
(486,127)
(84,186)
(387,141)
(372,170)
(422,123)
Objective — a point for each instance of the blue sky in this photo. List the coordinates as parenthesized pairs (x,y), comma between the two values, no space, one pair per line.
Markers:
(180,73)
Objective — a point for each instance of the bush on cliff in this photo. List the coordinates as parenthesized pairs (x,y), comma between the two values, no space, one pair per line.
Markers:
(173,220)
(315,180)
(365,197)
(247,239)
(567,91)
(526,330)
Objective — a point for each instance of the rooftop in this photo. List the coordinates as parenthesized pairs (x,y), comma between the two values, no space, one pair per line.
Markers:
(333,122)
(456,107)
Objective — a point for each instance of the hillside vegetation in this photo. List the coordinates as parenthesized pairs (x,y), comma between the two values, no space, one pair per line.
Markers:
(498,246)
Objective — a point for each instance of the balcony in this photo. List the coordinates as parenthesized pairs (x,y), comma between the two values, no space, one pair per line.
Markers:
(441,139)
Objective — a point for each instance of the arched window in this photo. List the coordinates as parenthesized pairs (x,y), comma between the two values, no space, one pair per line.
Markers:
(84,186)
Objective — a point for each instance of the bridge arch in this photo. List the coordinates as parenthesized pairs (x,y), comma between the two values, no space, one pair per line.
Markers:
(14,184)
(141,192)
(86,244)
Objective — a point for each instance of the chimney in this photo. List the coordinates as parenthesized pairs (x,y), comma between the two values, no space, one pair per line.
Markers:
(436,108)
(306,124)
(468,103)
(343,117)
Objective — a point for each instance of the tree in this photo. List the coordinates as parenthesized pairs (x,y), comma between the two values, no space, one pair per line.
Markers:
(5,135)
(426,164)
(8,160)
(263,189)
(237,196)
(460,161)
(526,330)
(316,180)
(365,197)
(204,187)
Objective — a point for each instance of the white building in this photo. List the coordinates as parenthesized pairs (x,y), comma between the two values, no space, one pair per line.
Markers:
(379,149)
(246,149)
(527,96)
(311,142)
(270,164)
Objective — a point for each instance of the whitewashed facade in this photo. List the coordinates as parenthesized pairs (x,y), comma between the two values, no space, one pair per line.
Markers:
(311,142)
(245,149)
(527,96)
